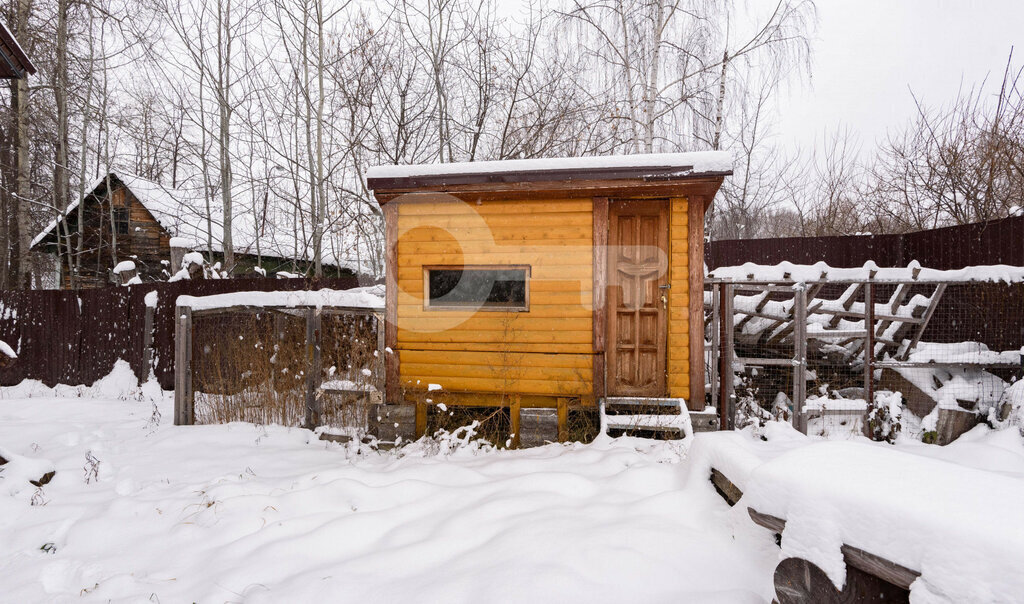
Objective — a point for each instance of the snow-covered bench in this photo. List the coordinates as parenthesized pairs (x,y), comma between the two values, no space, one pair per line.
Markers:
(876,520)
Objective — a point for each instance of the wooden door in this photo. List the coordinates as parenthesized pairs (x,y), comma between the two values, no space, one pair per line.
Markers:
(637,308)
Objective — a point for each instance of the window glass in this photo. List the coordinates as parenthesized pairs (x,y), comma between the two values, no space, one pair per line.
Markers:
(490,287)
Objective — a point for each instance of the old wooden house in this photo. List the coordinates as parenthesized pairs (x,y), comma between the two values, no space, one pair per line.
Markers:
(130,218)
(546,283)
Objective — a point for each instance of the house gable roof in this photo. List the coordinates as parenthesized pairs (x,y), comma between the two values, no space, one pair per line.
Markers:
(182,212)
(14,63)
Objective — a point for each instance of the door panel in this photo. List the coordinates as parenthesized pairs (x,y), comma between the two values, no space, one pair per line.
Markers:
(637,313)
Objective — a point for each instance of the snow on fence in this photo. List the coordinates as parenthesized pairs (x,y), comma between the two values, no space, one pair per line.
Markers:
(306,358)
(874,350)
(76,337)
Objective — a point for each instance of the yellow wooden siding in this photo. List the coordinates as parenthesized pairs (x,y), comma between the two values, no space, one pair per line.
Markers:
(546,350)
(679,300)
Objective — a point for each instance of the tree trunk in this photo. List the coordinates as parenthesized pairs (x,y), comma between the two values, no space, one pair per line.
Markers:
(22,186)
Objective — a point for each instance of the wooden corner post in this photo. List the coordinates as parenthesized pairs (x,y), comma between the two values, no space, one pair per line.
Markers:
(184,402)
(600,295)
(392,393)
(695,262)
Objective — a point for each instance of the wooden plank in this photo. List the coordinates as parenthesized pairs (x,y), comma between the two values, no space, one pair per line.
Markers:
(940,289)
(421,418)
(553,205)
(391,359)
(499,338)
(563,420)
(563,256)
(725,359)
(563,187)
(730,492)
(872,564)
(464,384)
(523,359)
(511,347)
(497,234)
(599,291)
(543,311)
(147,343)
(496,372)
(515,324)
(490,247)
(523,220)
(516,419)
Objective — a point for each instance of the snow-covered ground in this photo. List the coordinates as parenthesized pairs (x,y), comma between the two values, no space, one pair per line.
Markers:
(141,510)
(237,513)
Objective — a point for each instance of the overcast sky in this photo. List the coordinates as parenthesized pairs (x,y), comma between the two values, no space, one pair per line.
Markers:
(868,52)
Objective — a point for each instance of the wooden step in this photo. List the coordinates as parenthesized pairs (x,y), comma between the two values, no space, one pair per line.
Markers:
(641,401)
(675,418)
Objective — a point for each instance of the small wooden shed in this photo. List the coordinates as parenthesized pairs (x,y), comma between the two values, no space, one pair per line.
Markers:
(546,282)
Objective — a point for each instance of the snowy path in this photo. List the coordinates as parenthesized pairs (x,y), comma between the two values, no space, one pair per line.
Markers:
(239,513)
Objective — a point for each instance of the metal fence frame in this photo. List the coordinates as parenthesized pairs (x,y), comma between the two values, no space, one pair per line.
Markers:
(184,396)
(722,325)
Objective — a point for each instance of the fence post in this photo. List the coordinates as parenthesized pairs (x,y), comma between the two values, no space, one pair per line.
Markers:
(184,401)
(378,367)
(799,356)
(312,368)
(147,344)
(716,341)
(727,397)
(869,342)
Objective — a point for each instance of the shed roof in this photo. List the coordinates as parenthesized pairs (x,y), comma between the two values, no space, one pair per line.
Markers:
(643,168)
(14,63)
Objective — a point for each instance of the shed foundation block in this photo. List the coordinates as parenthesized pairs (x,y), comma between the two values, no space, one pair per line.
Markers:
(704,421)
(389,423)
(538,427)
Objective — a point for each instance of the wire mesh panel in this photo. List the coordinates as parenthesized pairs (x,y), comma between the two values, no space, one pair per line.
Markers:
(289,366)
(926,358)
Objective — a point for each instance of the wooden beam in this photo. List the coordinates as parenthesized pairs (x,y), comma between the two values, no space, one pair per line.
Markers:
(392,386)
(703,187)
(695,259)
(872,564)
(600,294)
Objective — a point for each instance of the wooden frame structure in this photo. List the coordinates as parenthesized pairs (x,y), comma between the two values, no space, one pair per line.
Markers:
(897,330)
(184,395)
(553,216)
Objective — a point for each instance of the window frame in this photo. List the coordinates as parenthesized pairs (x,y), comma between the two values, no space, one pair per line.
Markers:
(525,307)
(122,217)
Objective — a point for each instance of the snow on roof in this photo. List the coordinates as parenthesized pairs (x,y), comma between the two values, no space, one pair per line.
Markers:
(182,212)
(698,162)
(361,297)
(787,271)
(6,350)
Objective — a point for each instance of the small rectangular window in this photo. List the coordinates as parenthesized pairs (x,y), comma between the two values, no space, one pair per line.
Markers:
(121,220)
(477,287)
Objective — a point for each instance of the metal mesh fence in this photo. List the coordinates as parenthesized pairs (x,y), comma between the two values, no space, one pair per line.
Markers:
(925,358)
(286,366)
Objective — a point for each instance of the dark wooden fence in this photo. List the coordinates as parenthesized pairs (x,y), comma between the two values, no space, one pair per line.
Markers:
(76,337)
(995,242)
(992,313)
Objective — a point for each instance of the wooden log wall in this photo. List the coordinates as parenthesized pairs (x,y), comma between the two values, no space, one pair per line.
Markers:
(547,350)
